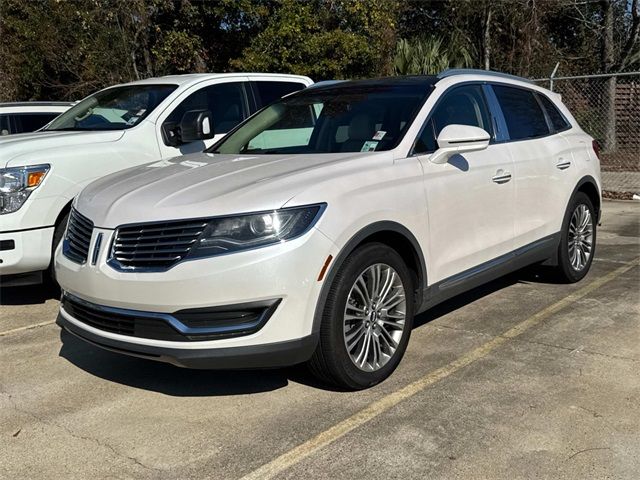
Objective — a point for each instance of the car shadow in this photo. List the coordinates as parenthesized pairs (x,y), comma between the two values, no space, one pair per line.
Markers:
(28,295)
(181,382)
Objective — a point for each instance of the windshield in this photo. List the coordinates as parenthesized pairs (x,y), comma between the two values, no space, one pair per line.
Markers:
(355,118)
(116,108)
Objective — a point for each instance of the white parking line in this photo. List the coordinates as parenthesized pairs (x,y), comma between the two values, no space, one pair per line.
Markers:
(28,327)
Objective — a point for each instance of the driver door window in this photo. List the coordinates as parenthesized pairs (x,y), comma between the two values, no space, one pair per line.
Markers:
(463,105)
(226,101)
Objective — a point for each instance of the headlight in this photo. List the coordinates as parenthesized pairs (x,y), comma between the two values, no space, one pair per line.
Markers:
(17,183)
(242,232)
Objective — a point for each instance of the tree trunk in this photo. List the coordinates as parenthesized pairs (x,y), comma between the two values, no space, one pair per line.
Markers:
(609,97)
(487,40)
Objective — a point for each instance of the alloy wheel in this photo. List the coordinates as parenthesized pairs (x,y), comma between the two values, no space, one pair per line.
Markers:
(580,237)
(374,317)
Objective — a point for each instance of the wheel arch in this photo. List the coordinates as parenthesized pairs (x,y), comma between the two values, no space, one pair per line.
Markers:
(390,233)
(589,187)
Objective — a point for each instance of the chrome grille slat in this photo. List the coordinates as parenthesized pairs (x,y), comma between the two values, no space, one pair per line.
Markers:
(77,237)
(155,245)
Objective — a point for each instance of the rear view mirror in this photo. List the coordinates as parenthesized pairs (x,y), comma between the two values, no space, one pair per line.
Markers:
(196,125)
(455,139)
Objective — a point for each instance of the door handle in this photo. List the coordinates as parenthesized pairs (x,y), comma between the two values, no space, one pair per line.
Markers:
(501,177)
(563,164)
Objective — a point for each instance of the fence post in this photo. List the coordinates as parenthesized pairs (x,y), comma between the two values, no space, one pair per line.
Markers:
(553,74)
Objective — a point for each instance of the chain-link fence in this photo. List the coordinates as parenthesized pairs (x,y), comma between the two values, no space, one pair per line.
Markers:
(608,108)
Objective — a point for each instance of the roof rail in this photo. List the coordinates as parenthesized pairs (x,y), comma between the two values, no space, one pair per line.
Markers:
(473,71)
(325,83)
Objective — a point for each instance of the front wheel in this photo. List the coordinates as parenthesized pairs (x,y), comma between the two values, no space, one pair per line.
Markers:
(367,319)
(578,240)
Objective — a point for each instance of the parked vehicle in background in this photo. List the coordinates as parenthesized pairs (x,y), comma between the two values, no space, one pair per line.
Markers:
(116,128)
(25,117)
(318,228)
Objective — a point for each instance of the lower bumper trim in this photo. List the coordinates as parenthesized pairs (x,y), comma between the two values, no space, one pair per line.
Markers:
(270,355)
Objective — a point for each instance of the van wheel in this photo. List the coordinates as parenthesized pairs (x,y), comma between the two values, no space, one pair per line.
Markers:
(578,240)
(367,319)
(58,234)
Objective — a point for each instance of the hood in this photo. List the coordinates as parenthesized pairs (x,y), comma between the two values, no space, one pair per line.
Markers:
(18,147)
(204,185)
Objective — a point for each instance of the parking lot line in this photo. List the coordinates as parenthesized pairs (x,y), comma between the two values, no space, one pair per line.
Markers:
(27,327)
(321,440)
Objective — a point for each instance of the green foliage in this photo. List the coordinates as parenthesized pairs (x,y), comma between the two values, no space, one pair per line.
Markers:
(179,52)
(429,56)
(65,49)
(325,39)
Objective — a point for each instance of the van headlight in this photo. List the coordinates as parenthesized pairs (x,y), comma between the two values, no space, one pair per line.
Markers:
(231,234)
(17,183)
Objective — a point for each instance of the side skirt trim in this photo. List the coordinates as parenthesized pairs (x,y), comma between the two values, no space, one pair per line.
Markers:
(537,251)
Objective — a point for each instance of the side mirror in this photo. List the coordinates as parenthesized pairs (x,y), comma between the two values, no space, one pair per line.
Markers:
(196,125)
(455,139)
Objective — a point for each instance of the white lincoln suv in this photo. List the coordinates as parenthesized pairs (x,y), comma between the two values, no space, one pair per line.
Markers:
(320,226)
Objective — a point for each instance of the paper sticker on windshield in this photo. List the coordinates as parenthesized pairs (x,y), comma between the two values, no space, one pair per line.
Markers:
(132,120)
(379,135)
(192,164)
(141,112)
(369,146)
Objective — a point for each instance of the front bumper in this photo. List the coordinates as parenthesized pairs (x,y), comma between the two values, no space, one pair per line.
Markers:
(31,251)
(288,272)
(272,355)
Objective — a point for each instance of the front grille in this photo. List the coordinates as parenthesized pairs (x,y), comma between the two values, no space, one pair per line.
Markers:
(185,325)
(155,245)
(77,237)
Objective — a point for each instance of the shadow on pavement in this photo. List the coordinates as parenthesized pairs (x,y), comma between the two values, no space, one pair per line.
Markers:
(28,295)
(181,382)
(175,381)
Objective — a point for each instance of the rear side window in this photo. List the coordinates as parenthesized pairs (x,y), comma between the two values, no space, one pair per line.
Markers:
(30,122)
(269,92)
(558,122)
(522,112)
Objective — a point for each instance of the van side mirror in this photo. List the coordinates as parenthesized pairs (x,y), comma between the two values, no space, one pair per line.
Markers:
(196,125)
(455,139)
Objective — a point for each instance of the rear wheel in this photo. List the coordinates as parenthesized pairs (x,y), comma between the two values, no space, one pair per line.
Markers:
(367,319)
(578,241)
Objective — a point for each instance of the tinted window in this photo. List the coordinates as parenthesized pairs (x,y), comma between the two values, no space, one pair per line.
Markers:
(522,112)
(269,92)
(354,118)
(4,125)
(462,106)
(226,102)
(30,122)
(116,108)
(558,122)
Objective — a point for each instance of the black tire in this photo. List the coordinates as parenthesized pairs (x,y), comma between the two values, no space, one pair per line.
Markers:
(58,234)
(331,362)
(565,271)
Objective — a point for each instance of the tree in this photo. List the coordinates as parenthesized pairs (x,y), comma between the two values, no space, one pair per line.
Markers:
(325,39)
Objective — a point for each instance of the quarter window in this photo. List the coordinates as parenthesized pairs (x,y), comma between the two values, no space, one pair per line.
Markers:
(226,102)
(558,122)
(463,105)
(522,112)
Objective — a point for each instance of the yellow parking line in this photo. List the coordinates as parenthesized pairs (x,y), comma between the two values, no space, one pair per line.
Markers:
(28,327)
(302,451)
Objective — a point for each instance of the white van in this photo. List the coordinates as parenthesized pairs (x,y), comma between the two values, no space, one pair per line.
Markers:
(116,128)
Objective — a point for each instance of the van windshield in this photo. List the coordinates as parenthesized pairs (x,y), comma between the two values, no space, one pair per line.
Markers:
(353,118)
(115,108)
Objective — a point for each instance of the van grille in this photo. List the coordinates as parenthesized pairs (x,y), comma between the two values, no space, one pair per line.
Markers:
(77,237)
(154,245)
